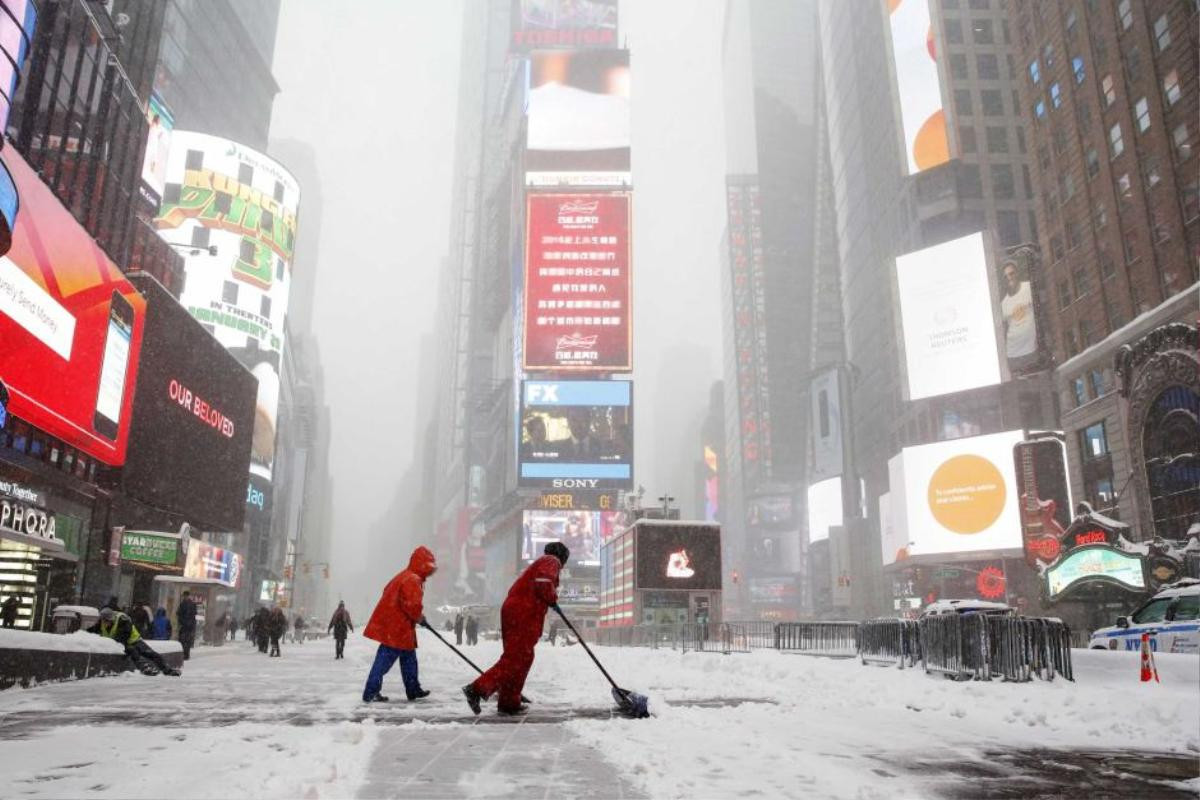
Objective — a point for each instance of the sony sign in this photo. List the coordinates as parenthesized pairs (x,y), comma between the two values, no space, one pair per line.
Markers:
(575,483)
(27,520)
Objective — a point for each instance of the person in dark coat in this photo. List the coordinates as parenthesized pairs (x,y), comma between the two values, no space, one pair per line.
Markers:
(185,618)
(161,627)
(261,625)
(233,627)
(141,618)
(394,623)
(277,625)
(298,629)
(339,623)
(8,611)
(119,627)
(522,619)
(458,629)
(472,628)
(113,603)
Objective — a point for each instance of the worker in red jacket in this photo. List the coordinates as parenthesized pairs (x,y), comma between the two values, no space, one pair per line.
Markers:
(521,619)
(394,625)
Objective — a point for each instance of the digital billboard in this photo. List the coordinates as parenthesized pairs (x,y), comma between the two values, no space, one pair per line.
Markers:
(824,508)
(1045,501)
(825,426)
(577,283)
(773,535)
(1019,311)
(206,562)
(70,324)
(578,130)
(220,194)
(946,311)
(158,149)
(576,434)
(954,497)
(1097,562)
(580,531)
(677,555)
(575,24)
(18,21)
(193,416)
(919,89)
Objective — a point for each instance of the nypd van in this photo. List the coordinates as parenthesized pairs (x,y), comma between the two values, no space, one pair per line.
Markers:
(1171,617)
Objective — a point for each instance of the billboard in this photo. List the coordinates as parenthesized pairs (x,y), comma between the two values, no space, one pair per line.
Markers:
(150,547)
(575,24)
(773,535)
(1096,563)
(578,131)
(580,531)
(70,324)
(205,562)
(1020,318)
(577,283)
(1045,502)
(824,508)
(954,497)
(158,149)
(18,21)
(193,415)
(220,194)
(576,434)
(946,312)
(675,555)
(712,484)
(918,87)
(825,426)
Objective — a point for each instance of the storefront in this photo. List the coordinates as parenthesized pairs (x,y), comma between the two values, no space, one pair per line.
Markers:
(142,556)
(211,575)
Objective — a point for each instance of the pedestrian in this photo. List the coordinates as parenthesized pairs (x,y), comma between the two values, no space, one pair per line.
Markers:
(185,617)
(553,632)
(142,618)
(161,627)
(233,627)
(117,626)
(458,629)
(472,627)
(298,630)
(394,625)
(113,603)
(262,633)
(339,623)
(277,626)
(8,611)
(522,618)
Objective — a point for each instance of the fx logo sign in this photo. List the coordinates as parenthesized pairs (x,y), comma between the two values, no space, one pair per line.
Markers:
(540,393)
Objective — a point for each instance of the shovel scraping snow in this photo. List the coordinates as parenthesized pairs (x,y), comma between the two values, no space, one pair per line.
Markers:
(631,704)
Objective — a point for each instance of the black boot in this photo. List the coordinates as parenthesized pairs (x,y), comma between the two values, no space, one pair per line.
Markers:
(473,697)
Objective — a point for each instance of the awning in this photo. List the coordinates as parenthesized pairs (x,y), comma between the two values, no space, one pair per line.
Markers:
(51,547)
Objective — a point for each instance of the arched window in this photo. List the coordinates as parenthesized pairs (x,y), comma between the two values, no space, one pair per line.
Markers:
(1171,449)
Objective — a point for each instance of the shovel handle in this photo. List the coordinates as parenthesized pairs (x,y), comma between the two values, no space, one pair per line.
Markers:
(459,653)
(595,660)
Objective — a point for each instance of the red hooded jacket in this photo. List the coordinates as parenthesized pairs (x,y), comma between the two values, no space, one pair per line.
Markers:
(394,621)
(524,610)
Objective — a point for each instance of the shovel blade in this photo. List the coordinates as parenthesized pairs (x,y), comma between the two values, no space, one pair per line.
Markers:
(631,704)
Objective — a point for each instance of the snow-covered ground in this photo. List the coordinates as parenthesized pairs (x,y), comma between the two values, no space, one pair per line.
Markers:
(239,724)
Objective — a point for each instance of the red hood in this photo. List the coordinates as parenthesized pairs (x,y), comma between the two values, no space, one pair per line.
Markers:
(422,562)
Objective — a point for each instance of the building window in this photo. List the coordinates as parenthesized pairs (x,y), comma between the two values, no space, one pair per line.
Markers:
(1085,333)
(1070,343)
(1093,162)
(1077,68)
(1124,187)
(1133,64)
(1110,94)
(1115,140)
(970,185)
(993,105)
(1020,138)
(1101,216)
(1093,442)
(988,67)
(229,293)
(1141,111)
(1035,71)
(1008,226)
(1043,158)
(1150,171)
(1055,95)
(979,5)
(1064,295)
(1191,201)
(962,102)
(958,66)
(1039,109)
(1074,234)
(1059,139)
(1162,33)
(1080,391)
(1083,112)
(265,306)
(1056,247)
(1130,242)
(966,139)
(1171,87)
(1107,268)
(1183,145)
(1002,181)
(1125,11)
(1067,185)
(1079,278)
(1048,55)
(1028,183)
(1072,21)
(953,31)
(981,31)
(997,140)
(1011,66)
(1162,232)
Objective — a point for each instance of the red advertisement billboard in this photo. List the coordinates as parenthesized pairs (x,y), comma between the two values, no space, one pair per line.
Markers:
(573,24)
(577,282)
(70,326)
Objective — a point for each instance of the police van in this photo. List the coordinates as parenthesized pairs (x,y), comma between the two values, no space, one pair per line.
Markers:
(1171,617)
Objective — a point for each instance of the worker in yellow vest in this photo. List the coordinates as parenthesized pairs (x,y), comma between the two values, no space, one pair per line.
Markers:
(117,625)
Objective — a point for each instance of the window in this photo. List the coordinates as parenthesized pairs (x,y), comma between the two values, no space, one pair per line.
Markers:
(1125,11)
(200,234)
(953,31)
(1008,226)
(979,5)
(1056,247)
(1050,200)
(1187,608)
(1191,200)
(229,293)
(993,105)
(988,67)
(245,174)
(1093,443)
(1074,235)
(1183,146)
(1020,138)
(1115,140)
(1110,94)
(1141,111)
(962,102)
(1002,181)
(1028,183)
(1039,109)
(1059,139)
(1067,185)
(1150,171)
(265,306)
(966,139)
(1080,281)
(997,140)
(1096,378)
(970,185)
(1162,32)
(1055,95)
(1130,241)
(1100,215)
(1079,387)
(1035,71)
(1100,51)
(958,66)
(1083,112)
(1093,162)
(1124,187)
(1158,224)
(1133,64)
(1071,345)
(1011,65)
(1077,69)
(1085,332)
(1064,295)
(1048,55)
(1072,20)
(981,31)
(1043,157)
(1107,267)
(1154,611)
(1171,87)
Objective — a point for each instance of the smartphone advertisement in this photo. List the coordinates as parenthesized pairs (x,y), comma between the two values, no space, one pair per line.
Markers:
(70,323)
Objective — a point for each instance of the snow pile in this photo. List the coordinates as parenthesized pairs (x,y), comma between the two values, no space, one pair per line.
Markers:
(77,642)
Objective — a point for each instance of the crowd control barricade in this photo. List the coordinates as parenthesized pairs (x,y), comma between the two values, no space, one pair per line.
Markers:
(889,641)
(828,639)
(1024,647)
(955,645)
(708,637)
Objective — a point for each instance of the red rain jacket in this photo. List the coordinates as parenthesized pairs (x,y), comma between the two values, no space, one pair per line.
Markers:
(394,621)
(524,611)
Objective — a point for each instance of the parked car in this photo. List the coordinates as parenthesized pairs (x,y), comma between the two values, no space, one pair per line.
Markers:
(969,606)
(1171,617)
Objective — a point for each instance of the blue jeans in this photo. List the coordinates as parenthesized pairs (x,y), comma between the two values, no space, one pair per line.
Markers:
(385,657)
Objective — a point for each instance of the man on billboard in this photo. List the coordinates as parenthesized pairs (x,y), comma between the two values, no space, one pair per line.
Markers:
(1020,329)
(522,618)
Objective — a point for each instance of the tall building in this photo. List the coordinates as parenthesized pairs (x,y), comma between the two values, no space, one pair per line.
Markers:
(1110,95)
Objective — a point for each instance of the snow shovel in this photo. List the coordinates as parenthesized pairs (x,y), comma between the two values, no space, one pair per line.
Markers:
(459,653)
(631,704)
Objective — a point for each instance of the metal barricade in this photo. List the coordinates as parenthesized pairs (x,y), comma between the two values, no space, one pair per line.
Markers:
(889,641)
(828,639)
(1022,648)
(955,645)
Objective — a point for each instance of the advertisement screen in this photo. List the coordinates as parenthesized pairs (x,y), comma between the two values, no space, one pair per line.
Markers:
(825,426)
(678,556)
(1093,563)
(206,562)
(580,531)
(1045,501)
(577,283)
(824,508)
(220,194)
(193,417)
(919,89)
(578,131)
(954,497)
(18,21)
(158,149)
(712,484)
(70,324)
(1019,311)
(576,434)
(575,24)
(946,309)
(773,535)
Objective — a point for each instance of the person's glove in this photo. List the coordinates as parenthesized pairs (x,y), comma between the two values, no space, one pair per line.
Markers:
(556,608)
(423,622)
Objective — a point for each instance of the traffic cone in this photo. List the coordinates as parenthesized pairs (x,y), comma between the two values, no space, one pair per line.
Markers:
(1148,669)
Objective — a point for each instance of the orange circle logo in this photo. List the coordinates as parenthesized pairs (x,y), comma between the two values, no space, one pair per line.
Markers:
(967,494)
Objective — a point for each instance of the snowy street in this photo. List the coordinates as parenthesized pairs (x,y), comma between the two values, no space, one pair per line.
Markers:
(765,724)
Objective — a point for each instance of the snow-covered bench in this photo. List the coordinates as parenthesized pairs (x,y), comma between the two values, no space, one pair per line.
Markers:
(28,658)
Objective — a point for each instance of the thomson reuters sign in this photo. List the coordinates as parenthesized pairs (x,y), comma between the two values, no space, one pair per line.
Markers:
(966,494)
